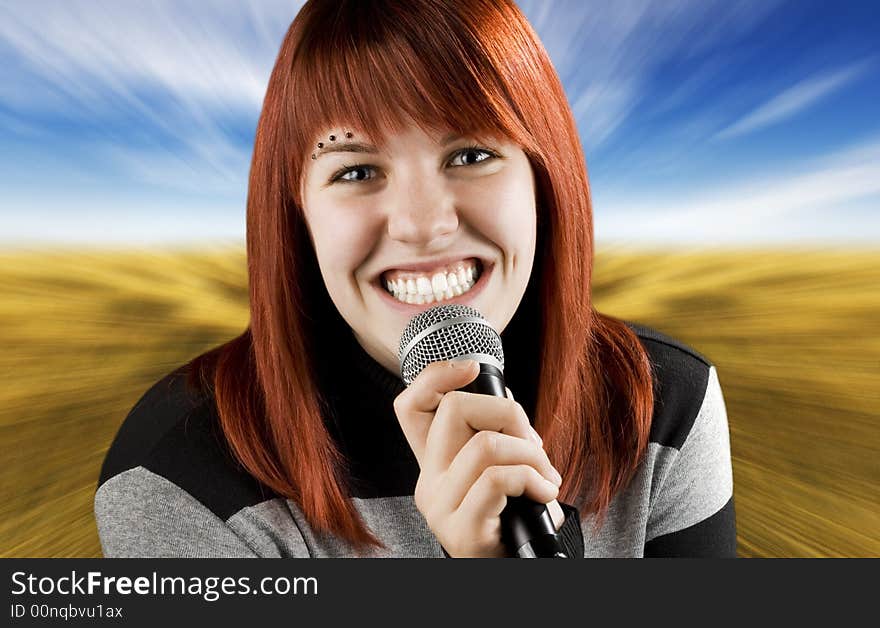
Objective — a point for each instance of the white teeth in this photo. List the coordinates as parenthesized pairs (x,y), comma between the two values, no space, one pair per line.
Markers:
(423,286)
(438,287)
(438,282)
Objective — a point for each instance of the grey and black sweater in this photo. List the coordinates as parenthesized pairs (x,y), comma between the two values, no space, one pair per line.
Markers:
(170,488)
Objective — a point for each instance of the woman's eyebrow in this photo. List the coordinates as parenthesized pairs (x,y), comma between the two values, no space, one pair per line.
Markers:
(347,147)
(360,147)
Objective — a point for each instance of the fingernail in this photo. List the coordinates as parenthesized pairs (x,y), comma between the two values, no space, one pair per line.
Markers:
(463,365)
(536,437)
(557,478)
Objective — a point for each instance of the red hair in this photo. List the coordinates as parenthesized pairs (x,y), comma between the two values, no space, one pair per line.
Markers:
(477,67)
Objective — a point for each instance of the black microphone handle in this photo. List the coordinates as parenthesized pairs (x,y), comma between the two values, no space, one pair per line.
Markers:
(526,526)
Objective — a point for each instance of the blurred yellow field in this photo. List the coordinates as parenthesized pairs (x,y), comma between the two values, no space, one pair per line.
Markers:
(795,336)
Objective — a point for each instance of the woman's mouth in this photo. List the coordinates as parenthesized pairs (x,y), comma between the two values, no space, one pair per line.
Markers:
(445,283)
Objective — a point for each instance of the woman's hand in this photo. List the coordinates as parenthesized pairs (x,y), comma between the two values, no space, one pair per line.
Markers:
(473,451)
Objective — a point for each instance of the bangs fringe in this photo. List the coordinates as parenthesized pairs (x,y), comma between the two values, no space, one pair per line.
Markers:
(439,81)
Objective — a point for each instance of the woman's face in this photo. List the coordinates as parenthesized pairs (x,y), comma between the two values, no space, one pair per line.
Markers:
(425,219)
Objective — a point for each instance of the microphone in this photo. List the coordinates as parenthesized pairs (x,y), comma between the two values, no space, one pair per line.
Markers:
(458,332)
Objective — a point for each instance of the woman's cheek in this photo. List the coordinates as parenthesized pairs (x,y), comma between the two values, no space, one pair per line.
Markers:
(504,206)
(347,237)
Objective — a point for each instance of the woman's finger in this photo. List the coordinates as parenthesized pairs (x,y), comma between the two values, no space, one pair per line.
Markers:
(415,406)
(488,449)
(510,396)
(556,514)
(488,495)
(460,415)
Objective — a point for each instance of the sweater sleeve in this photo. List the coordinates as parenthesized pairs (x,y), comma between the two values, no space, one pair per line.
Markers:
(569,533)
(141,514)
(692,513)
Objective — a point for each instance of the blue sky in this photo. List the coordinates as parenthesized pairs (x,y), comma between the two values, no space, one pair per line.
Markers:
(703,122)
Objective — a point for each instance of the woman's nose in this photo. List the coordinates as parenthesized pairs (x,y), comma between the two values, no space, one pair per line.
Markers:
(421,213)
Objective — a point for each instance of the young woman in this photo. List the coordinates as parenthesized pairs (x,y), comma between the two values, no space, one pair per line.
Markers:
(410,153)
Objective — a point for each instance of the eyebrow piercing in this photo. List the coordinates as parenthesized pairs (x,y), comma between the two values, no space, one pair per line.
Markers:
(348,134)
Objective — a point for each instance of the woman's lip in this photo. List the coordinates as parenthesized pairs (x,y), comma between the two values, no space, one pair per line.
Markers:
(413,308)
(429,266)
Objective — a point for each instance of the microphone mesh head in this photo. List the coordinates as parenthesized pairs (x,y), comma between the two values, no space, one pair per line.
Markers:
(446,332)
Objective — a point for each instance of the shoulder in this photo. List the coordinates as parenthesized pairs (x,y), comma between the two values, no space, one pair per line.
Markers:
(172,436)
(685,381)
(690,509)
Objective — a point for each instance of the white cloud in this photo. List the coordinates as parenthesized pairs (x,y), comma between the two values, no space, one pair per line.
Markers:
(759,208)
(600,108)
(793,100)
(177,71)
(605,55)
(88,218)
(217,53)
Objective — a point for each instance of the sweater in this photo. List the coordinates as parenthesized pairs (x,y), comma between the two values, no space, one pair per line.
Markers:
(169,486)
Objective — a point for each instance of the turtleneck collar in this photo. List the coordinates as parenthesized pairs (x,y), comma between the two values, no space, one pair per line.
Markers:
(360,395)
(388,384)
(357,367)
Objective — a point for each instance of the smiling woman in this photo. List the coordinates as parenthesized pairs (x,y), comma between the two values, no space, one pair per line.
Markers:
(410,153)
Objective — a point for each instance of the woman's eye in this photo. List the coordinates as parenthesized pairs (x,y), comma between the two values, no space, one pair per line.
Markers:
(358,171)
(472,155)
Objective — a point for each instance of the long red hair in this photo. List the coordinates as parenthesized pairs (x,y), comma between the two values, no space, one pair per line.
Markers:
(475,66)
